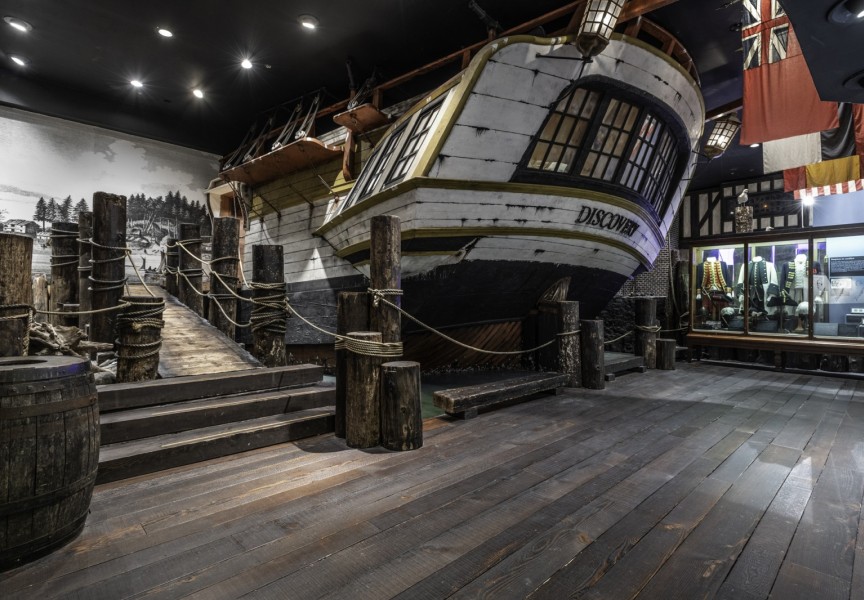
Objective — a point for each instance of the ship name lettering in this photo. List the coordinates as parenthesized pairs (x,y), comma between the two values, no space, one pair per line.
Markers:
(605,219)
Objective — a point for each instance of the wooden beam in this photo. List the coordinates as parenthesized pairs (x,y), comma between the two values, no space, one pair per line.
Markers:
(637,8)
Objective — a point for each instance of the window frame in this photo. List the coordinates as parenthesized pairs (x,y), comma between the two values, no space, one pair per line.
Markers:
(669,148)
(407,158)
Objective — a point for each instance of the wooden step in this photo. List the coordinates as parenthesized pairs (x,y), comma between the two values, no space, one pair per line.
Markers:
(119,396)
(125,425)
(128,459)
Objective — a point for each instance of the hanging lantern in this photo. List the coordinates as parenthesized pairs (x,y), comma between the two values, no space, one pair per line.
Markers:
(598,23)
(721,136)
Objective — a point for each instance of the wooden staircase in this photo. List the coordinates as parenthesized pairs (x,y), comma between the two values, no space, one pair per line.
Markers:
(155,425)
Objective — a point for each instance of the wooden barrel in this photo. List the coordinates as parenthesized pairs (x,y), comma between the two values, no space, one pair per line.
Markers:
(49,451)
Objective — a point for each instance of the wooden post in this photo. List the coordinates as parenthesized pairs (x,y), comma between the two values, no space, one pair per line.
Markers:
(666,354)
(593,359)
(224,262)
(40,297)
(191,273)
(16,293)
(109,263)
(139,330)
(85,269)
(64,270)
(362,410)
(646,341)
(386,273)
(401,418)
(569,359)
(352,314)
(172,263)
(268,322)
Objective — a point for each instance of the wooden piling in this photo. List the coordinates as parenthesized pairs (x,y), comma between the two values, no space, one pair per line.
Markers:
(401,419)
(362,409)
(191,273)
(268,320)
(352,314)
(593,358)
(569,359)
(64,271)
(40,298)
(139,331)
(85,269)
(666,354)
(224,262)
(386,273)
(646,341)
(172,263)
(109,263)
(16,293)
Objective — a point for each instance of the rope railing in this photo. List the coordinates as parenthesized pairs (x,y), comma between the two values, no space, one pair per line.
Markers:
(143,314)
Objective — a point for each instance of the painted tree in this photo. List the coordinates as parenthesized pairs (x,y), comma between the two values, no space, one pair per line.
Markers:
(64,210)
(80,207)
(52,213)
(41,213)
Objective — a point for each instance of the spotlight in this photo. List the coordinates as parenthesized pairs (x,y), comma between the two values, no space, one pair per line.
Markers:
(136,84)
(197,93)
(164,32)
(308,22)
(246,63)
(18,60)
(22,26)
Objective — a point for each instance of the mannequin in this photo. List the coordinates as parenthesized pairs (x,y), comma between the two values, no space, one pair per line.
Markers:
(713,279)
(793,293)
(762,286)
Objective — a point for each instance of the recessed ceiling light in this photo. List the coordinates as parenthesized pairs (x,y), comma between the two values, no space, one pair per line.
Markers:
(846,11)
(198,93)
(136,83)
(246,64)
(18,60)
(755,145)
(164,32)
(18,24)
(308,22)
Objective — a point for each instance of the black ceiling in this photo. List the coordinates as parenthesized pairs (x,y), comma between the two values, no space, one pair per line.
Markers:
(83,53)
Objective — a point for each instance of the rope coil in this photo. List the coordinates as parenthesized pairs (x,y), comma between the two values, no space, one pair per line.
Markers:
(25,341)
(138,316)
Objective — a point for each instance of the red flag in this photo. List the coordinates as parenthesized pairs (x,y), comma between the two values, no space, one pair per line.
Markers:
(780,98)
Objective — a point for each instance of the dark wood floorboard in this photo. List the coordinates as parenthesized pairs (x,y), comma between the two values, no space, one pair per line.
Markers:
(703,482)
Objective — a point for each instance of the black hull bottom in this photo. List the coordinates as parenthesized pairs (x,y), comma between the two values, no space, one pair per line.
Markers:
(467,293)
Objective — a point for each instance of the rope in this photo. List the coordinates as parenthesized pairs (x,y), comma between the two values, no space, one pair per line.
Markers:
(270,311)
(381,298)
(83,312)
(621,337)
(25,342)
(58,234)
(370,347)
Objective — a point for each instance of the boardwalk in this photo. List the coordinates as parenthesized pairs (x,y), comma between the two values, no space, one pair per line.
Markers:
(191,345)
(707,481)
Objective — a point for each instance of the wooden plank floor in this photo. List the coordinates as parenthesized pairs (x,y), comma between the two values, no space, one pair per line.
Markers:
(191,345)
(704,482)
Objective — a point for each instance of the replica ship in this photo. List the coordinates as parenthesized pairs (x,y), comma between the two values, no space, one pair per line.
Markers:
(532,172)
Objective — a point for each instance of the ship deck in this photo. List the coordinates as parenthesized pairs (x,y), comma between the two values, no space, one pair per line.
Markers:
(706,481)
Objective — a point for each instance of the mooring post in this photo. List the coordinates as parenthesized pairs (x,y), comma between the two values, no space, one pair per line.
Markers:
(593,359)
(569,355)
(172,263)
(268,317)
(224,262)
(362,407)
(191,274)
(666,353)
(40,298)
(646,340)
(386,274)
(109,263)
(139,330)
(85,269)
(16,293)
(352,314)
(64,270)
(401,419)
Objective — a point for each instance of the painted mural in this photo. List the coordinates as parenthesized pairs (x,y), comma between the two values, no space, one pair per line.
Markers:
(50,168)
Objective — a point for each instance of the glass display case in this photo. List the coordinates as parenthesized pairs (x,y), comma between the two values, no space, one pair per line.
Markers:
(840,285)
(811,287)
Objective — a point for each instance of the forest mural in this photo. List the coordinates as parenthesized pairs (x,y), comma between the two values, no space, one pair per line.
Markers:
(52,168)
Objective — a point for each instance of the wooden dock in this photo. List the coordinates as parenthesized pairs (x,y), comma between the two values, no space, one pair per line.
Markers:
(191,345)
(703,482)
